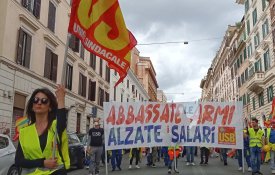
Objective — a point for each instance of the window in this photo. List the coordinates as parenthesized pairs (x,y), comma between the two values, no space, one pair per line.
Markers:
(88,121)
(267,61)
(242,78)
(24,49)
(263,4)
(246,5)
(248,27)
(78,122)
(244,54)
(69,76)
(50,67)
(254,16)
(254,103)
(100,96)
(246,74)
(4,142)
(258,66)
(100,67)
(265,28)
(82,51)
(128,84)
(74,43)
(249,48)
(270,94)
(33,6)
(92,90)
(93,60)
(121,97)
(82,85)
(256,40)
(244,99)
(107,74)
(107,97)
(248,98)
(114,93)
(261,99)
(51,16)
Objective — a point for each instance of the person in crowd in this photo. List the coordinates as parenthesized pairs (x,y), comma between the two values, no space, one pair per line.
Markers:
(164,151)
(7,132)
(95,148)
(171,152)
(135,153)
(256,142)
(35,153)
(246,154)
(224,155)
(270,140)
(116,159)
(154,156)
(204,155)
(190,152)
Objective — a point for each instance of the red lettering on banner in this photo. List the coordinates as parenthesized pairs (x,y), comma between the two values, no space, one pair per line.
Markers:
(121,116)
(149,113)
(173,106)
(112,116)
(156,112)
(198,114)
(165,114)
(208,111)
(178,114)
(224,112)
(130,116)
(140,116)
(231,112)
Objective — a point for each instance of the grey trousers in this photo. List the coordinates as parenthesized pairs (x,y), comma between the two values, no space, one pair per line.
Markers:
(96,152)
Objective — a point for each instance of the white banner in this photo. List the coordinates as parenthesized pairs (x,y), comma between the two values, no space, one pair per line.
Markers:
(148,124)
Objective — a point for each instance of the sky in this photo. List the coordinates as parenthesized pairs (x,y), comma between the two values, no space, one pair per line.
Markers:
(180,67)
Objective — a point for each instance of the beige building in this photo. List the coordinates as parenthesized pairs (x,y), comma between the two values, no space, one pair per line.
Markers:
(33,36)
(161,96)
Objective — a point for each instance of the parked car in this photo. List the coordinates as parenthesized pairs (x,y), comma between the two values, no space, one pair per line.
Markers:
(7,155)
(76,151)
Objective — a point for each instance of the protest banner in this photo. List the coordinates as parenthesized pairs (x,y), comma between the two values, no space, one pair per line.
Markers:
(148,124)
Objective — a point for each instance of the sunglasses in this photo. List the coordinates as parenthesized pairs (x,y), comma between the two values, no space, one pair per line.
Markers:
(43,101)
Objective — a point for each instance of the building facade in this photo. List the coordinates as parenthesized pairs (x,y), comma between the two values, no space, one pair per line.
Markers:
(33,37)
(251,62)
(161,96)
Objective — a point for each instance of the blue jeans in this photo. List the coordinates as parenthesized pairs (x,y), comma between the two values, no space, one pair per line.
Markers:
(255,158)
(116,158)
(190,151)
(246,155)
(224,154)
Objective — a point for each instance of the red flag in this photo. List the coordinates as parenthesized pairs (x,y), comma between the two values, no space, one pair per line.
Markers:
(100,26)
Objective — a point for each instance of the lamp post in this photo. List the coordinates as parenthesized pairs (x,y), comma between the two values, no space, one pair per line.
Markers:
(174,93)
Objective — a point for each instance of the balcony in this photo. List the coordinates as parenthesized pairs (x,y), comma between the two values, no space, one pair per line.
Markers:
(256,82)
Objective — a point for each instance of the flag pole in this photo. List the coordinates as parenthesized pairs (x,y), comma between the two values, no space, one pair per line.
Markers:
(63,76)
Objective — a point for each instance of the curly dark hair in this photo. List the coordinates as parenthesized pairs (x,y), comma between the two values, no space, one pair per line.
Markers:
(53,105)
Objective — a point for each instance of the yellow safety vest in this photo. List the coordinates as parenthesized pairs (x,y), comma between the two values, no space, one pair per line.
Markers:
(29,141)
(255,139)
(272,145)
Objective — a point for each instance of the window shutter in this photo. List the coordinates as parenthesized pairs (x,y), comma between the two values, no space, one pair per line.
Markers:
(28,51)
(47,67)
(76,43)
(84,86)
(36,9)
(54,67)
(24,3)
(106,96)
(51,17)
(80,84)
(92,90)
(20,46)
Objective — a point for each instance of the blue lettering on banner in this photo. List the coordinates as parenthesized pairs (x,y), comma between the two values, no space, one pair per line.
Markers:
(120,142)
(182,134)
(157,133)
(139,136)
(175,135)
(197,135)
(112,137)
(127,140)
(148,128)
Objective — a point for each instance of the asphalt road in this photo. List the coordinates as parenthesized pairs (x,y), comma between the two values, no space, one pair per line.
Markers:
(215,167)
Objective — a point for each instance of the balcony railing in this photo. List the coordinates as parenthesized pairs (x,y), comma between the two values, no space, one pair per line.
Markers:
(256,82)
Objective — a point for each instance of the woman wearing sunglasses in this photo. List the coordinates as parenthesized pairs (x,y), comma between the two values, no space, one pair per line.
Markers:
(47,114)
